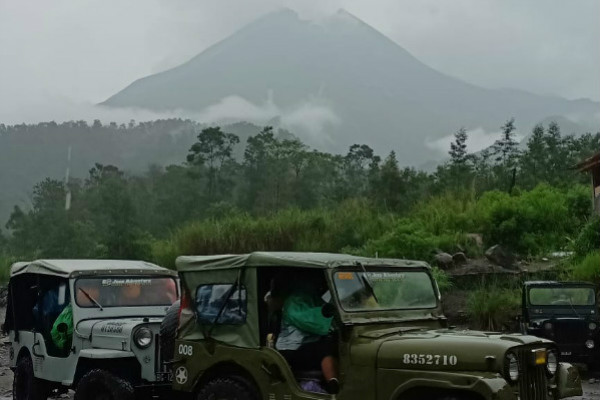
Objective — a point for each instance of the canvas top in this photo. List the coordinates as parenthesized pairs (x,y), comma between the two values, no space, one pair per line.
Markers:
(284,259)
(68,268)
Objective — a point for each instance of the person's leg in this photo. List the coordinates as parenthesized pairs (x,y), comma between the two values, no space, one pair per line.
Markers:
(325,350)
(330,368)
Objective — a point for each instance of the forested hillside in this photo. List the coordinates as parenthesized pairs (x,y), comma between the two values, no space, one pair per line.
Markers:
(281,195)
(33,152)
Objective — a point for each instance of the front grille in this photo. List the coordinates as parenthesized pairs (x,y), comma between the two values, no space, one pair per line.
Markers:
(533,384)
(157,354)
(570,331)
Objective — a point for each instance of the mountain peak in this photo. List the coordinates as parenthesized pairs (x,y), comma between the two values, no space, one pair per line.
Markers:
(338,81)
(282,14)
(342,13)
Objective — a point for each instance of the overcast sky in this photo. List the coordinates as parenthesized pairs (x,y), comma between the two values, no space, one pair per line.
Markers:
(59,57)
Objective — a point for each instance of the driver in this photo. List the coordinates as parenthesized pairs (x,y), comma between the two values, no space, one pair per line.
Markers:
(303,340)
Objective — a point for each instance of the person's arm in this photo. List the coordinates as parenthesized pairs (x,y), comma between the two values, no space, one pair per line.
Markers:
(304,316)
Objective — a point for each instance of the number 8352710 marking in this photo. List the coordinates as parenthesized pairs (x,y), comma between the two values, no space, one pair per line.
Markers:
(430,359)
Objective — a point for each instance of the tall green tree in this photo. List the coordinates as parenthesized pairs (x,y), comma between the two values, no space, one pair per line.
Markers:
(390,188)
(506,152)
(458,148)
(214,151)
(113,214)
(360,165)
(533,162)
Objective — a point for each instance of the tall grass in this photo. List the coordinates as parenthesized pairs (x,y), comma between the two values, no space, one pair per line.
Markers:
(588,269)
(492,308)
(531,223)
(5,263)
(348,225)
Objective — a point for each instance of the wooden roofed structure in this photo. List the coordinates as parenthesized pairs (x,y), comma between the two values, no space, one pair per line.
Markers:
(592,166)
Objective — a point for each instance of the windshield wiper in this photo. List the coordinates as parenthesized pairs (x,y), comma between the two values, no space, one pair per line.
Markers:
(573,307)
(366,282)
(90,298)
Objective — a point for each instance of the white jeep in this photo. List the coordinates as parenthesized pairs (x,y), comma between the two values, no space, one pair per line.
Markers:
(88,325)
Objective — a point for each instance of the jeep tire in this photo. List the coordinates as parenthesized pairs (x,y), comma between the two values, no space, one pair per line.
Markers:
(168,331)
(25,385)
(99,384)
(227,388)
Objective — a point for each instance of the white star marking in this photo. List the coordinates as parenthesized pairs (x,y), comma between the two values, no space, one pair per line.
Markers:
(181,375)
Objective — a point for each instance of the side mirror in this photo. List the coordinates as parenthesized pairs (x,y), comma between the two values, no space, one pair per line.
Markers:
(62,327)
(328,310)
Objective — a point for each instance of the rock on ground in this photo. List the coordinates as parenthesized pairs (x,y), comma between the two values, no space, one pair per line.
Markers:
(501,256)
(444,260)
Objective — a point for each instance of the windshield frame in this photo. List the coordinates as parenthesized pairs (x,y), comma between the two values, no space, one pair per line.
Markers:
(121,276)
(384,268)
(562,286)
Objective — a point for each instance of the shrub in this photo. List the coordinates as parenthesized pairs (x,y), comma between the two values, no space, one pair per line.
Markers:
(493,308)
(5,263)
(587,269)
(534,222)
(448,212)
(588,239)
(442,278)
(410,240)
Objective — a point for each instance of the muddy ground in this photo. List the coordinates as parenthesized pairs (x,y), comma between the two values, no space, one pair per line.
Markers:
(591,389)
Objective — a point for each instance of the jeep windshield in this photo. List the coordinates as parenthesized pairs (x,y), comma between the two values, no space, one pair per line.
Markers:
(562,296)
(384,290)
(126,291)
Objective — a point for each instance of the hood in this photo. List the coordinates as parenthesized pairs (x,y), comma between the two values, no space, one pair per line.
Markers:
(450,349)
(114,334)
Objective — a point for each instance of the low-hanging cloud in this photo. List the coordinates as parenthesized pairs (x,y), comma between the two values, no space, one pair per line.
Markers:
(543,46)
(59,109)
(309,119)
(477,140)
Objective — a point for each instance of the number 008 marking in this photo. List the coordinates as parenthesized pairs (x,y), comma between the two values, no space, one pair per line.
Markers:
(185,350)
(430,359)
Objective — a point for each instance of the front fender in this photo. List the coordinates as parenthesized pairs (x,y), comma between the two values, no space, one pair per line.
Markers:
(568,381)
(487,385)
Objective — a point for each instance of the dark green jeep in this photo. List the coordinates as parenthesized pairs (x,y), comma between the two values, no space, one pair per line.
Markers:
(392,338)
(566,313)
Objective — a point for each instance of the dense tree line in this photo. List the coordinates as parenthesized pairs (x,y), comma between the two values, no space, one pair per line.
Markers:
(113,214)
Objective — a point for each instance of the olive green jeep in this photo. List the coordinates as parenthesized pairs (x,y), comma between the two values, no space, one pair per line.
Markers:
(392,339)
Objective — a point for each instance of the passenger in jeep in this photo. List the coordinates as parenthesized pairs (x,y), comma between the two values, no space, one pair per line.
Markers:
(304,336)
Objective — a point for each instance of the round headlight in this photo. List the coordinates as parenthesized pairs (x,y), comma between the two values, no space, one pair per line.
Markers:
(512,367)
(592,326)
(548,326)
(552,362)
(143,338)
(590,344)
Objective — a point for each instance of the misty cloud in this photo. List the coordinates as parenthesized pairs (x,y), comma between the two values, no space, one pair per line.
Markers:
(308,119)
(478,139)
(86,50)
(51,108)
